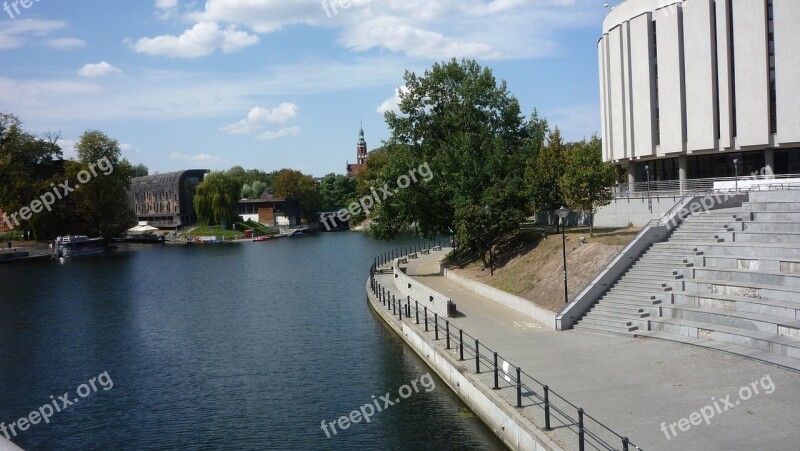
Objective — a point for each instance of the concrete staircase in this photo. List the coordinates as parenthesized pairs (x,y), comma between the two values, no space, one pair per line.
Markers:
(726,279)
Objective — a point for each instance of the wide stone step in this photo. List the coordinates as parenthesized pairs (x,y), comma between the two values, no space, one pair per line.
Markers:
(618,326)
(768,226)
(771,216)
(751,249)
(748,276)
(750,263)
(626,310)
(752,338)
(788,310)
(589,327)
(744,351)
(743,289)
(615,316)
(630,300)
(730,318)
(771,206)
(766,237)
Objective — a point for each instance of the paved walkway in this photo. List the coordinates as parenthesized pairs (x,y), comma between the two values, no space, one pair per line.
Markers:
(635,385)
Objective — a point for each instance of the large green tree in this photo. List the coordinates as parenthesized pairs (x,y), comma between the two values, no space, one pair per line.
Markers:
(337,191)
(291,184)
(544,172)
(101,178)
(216,200)
(587,180)
(459,121)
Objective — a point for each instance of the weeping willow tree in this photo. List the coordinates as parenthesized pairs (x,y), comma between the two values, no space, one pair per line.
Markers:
(215,199)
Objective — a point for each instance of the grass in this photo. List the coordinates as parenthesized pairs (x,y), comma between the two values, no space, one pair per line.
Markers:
(531,267)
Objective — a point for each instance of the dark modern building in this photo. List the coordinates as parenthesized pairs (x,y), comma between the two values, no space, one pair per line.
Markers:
(166,201)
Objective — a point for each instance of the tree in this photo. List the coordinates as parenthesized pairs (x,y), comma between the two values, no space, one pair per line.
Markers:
(337,192)
(140,170)
(544,172)
(291,184)
(216,200)
(587,180)
(368,177)
(469,130)
(104,181)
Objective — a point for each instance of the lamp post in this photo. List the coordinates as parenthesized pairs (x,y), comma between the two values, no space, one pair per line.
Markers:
(736,173)
(487,210)
(562,214)
(649,201)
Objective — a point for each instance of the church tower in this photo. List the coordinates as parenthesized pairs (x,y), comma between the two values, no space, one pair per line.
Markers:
(361,150)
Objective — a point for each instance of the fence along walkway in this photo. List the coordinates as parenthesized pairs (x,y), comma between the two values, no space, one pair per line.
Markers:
(545,407)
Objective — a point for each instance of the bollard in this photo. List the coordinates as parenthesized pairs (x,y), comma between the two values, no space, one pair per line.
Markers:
(496,385)
(625,443)
(436,324)
(477,357)
(580,430)
(426,318)
(519,387)
(547,408)
(447,331)
(416,310)
(394,306)
(460,344)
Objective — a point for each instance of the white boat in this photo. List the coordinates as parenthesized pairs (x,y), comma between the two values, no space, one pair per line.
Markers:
(72,245)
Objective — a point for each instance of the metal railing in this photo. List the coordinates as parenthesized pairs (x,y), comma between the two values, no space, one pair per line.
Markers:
(554,410)
(673,188)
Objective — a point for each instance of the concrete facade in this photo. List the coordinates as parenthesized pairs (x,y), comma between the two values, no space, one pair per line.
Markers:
(699,77)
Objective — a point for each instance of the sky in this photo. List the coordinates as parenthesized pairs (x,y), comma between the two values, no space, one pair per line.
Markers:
(272,84)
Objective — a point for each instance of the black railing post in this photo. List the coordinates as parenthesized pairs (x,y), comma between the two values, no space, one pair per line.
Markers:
(519,387)
(416,310)
(496,385)
(436,324)
(580,430)
(400,308)
(394,306)
(546,408)
(477,357)
(426,318)
(625,443)
(447,331)
(460,344)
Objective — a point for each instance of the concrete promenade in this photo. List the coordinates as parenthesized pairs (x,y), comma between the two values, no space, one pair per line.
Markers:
(632,385)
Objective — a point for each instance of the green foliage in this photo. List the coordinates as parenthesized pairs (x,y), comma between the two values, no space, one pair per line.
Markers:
(337,191)
(102,202)
(140,170)
(291,184)
(544,172)
(368,177)
(470,131)
(587,180)
(216,200)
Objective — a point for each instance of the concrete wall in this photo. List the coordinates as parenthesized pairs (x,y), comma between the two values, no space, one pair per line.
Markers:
(752,68)
(633,212)
(701,96)
(643,85)
(787,63)
(516,431)
(434,301)
(505,299)
(671,97)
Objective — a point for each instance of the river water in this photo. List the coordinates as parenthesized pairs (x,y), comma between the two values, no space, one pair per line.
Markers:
(239,346)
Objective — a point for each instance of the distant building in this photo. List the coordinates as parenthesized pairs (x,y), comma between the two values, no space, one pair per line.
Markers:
(270,211)
(3,226)
(361,157)
(166,201)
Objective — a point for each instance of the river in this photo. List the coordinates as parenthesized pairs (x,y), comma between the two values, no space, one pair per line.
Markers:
(237,346)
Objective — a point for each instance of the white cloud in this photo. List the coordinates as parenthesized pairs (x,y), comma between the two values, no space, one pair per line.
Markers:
(68,148)
(392,103)
(201,40)
(98,70)
(166,4)
(65,43)
(257,117)
(197,158)
(290,131)
(13,33)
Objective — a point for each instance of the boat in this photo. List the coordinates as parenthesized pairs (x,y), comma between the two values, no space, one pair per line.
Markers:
(74,245)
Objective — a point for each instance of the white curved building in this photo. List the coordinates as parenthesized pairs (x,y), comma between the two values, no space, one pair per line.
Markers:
(687,87)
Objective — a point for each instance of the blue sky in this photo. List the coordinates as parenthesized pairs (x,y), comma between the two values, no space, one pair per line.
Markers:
(270,84)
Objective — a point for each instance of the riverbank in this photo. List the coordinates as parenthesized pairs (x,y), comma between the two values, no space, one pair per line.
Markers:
(640,388)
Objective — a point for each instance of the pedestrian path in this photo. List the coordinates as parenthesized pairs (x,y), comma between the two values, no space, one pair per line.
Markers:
(640,388)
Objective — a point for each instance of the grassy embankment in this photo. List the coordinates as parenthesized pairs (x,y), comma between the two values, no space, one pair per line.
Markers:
(205,230)
(531,267)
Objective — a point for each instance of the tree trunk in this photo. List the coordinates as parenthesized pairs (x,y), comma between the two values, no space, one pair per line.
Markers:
(591,224)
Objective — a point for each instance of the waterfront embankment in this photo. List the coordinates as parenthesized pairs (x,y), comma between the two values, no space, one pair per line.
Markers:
(647,390)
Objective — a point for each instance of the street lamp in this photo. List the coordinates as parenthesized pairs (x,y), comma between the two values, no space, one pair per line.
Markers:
(649,200)
(562,213)
(736,173)
(487,210)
